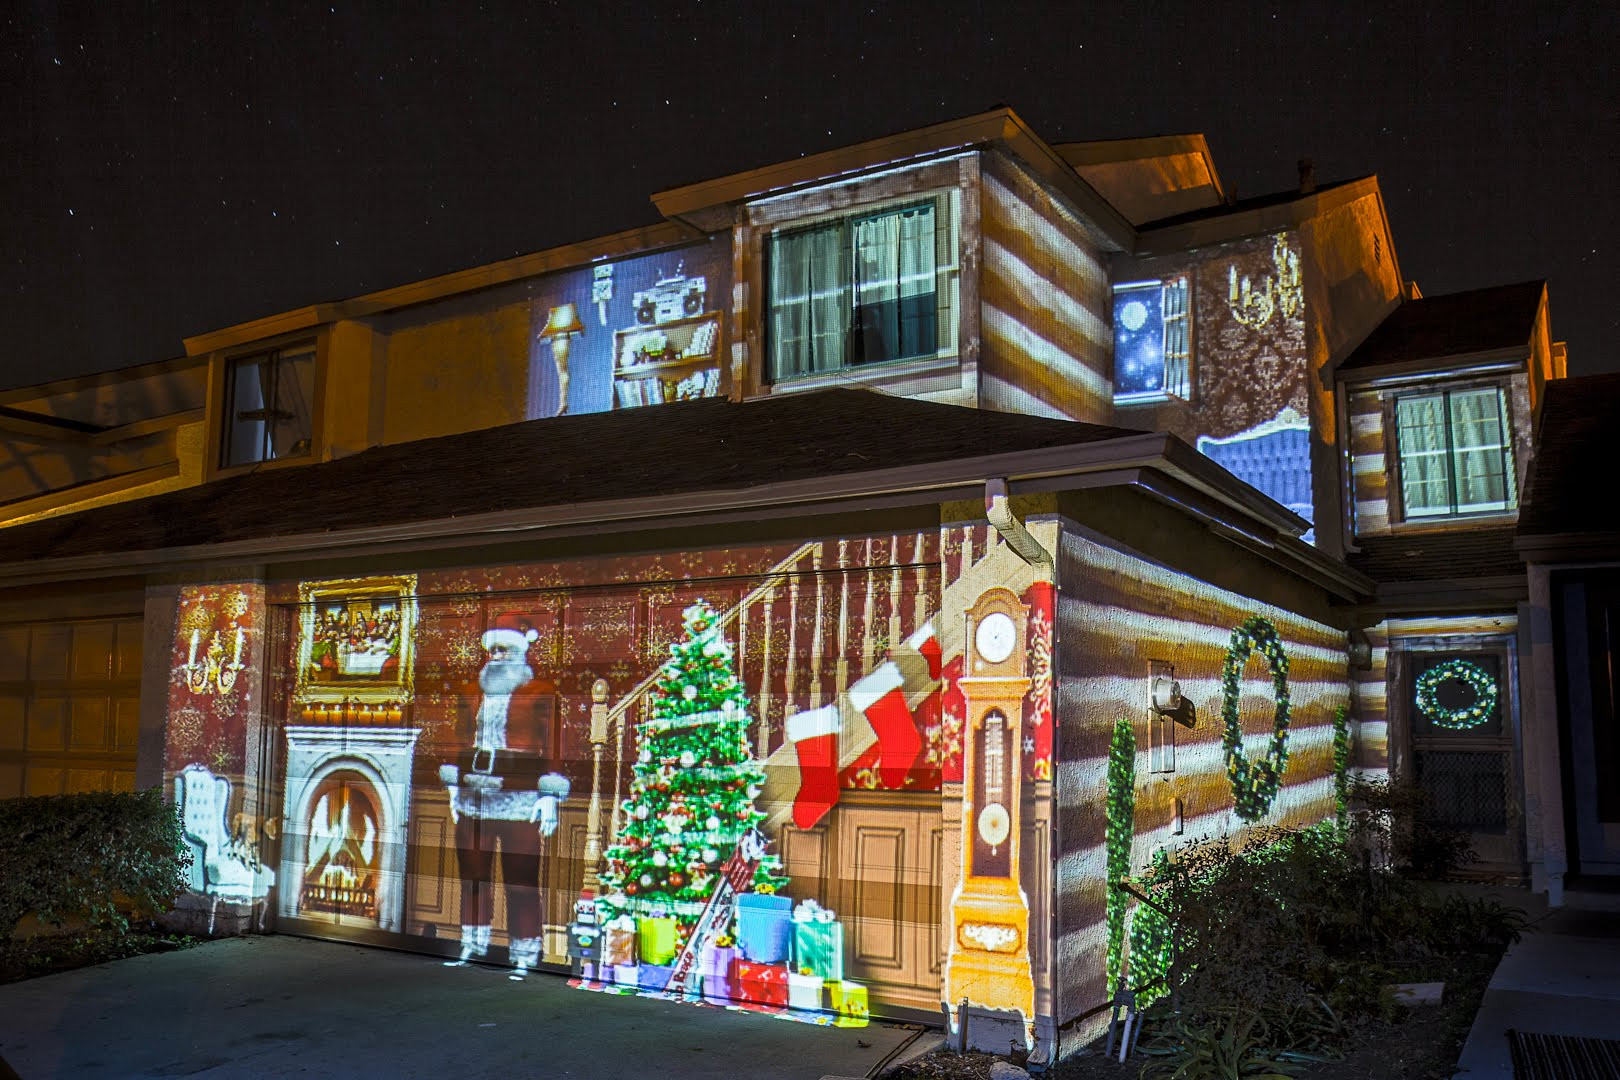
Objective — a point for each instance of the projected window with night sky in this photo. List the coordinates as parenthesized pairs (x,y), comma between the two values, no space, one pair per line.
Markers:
(1152,342)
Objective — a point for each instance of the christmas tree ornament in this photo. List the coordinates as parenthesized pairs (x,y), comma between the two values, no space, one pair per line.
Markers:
(688,759)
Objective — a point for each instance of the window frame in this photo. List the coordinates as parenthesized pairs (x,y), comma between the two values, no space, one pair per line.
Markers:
(947,229)
(1396,460)
(222,385)
(1176,383)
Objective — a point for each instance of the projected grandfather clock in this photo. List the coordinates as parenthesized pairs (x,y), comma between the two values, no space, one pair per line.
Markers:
(989,966)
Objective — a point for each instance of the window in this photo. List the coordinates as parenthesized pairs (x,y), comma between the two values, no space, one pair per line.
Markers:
(1455,453)
(863,289)
(1152,341)
(267,406)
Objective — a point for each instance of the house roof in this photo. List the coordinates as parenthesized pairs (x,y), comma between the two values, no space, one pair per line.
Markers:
(1458,324)
(695,462)
(665,451)
(1575,449)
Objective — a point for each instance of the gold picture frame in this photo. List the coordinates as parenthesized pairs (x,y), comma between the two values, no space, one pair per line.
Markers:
(357,639)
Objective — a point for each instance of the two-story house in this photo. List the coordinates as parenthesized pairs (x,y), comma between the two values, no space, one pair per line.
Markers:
(871,506)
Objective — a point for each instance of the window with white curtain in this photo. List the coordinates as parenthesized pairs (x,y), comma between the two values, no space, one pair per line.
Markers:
(862,289)
(1455,451)
(267,406)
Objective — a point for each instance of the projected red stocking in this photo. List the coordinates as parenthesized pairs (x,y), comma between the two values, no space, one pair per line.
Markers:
(814,736)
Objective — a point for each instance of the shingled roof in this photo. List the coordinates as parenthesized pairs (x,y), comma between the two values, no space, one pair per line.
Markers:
(706,445)
(1457,324)
(1571,488)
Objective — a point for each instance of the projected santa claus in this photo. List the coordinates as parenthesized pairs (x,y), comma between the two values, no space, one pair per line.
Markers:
(503,794)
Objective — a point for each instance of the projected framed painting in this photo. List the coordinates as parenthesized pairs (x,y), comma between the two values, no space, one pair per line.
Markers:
(355,639)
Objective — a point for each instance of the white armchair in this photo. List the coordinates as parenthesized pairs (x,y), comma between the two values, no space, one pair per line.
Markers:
(220,869)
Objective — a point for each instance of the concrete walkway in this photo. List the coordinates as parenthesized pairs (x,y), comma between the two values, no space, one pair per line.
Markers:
(1562,978)
(284,1006)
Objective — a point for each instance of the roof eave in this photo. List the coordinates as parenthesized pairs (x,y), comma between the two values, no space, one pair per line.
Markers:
(695,203)
(1162,464)
(1259,221)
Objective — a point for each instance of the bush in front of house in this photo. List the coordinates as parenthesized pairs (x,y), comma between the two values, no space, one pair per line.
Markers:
(99,857)
(1282,947)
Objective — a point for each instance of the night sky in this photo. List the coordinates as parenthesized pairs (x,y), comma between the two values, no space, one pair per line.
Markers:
(166,172)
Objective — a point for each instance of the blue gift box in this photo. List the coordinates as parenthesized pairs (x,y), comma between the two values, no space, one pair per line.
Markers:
(764,927)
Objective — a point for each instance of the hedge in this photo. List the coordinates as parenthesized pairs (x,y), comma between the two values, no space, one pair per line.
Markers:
(94,856)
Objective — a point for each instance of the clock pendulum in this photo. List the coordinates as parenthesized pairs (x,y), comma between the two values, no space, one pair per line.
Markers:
(988,966)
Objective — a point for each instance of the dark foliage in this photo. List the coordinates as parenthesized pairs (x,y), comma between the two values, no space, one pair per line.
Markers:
(98,857)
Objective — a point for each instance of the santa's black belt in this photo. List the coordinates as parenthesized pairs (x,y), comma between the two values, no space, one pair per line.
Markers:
(518,769)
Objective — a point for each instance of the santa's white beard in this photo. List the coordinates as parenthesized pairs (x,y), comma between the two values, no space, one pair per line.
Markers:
(504,676)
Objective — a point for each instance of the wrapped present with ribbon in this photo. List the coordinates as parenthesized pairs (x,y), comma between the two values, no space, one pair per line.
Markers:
(654,976)
(765,927)
(658,936)
(760,984)
(619,942)
(714,966)
(804,990)
(818,941)
(849,1001)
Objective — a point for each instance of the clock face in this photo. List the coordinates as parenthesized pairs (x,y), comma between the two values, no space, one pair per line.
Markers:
(995,637)
(994,824)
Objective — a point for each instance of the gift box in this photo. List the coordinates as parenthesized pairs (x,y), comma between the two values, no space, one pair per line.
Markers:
(818,941)
(619,942)
(849,1000)
(626,974)
(654,976)
(804,991)
(657,938)
(761,984)
(714,966)
(765,927)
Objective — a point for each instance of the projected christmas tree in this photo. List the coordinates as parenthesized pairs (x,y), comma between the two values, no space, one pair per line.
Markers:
(692,797)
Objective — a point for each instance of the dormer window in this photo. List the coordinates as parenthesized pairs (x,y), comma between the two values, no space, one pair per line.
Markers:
(1152,341)
(858,290)
(268,400)
(1456,456)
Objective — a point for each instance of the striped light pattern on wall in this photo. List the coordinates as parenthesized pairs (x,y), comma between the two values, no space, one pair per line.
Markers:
(1116,613)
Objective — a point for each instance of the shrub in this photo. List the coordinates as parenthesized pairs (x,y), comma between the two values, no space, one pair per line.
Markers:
(1393,821)
(95,856)
(1279,947)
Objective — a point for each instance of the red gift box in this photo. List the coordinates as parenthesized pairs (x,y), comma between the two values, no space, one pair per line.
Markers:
(760,984)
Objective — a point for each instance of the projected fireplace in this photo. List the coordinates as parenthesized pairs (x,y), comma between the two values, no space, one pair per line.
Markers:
(348,793)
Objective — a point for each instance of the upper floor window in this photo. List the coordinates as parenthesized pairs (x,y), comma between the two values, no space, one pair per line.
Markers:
(862,289)
(267,405)
(1456,456)
(1152,340)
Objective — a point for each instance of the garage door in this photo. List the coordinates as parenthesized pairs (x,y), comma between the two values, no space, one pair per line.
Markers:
(69,706)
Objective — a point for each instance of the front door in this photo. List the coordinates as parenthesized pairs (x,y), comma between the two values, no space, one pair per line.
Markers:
(1591,651)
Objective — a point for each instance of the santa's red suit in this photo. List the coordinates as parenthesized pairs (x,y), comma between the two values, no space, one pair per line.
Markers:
(496,790)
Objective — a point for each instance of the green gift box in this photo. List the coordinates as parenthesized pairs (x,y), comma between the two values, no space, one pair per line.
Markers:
(657,934)
(818,942)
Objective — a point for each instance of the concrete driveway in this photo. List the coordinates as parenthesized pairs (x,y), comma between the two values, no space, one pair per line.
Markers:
(284,1006)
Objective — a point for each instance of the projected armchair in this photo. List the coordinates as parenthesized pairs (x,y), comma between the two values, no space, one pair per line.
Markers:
(220,868)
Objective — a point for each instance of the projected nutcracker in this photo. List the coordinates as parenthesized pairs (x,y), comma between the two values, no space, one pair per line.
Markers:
(989,964)
(502,796)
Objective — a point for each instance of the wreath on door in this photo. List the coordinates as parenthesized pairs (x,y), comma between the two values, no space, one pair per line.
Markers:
(1254,783)
(1471,675)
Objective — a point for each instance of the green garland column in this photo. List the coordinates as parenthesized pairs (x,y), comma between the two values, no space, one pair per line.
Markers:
(1121,811)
